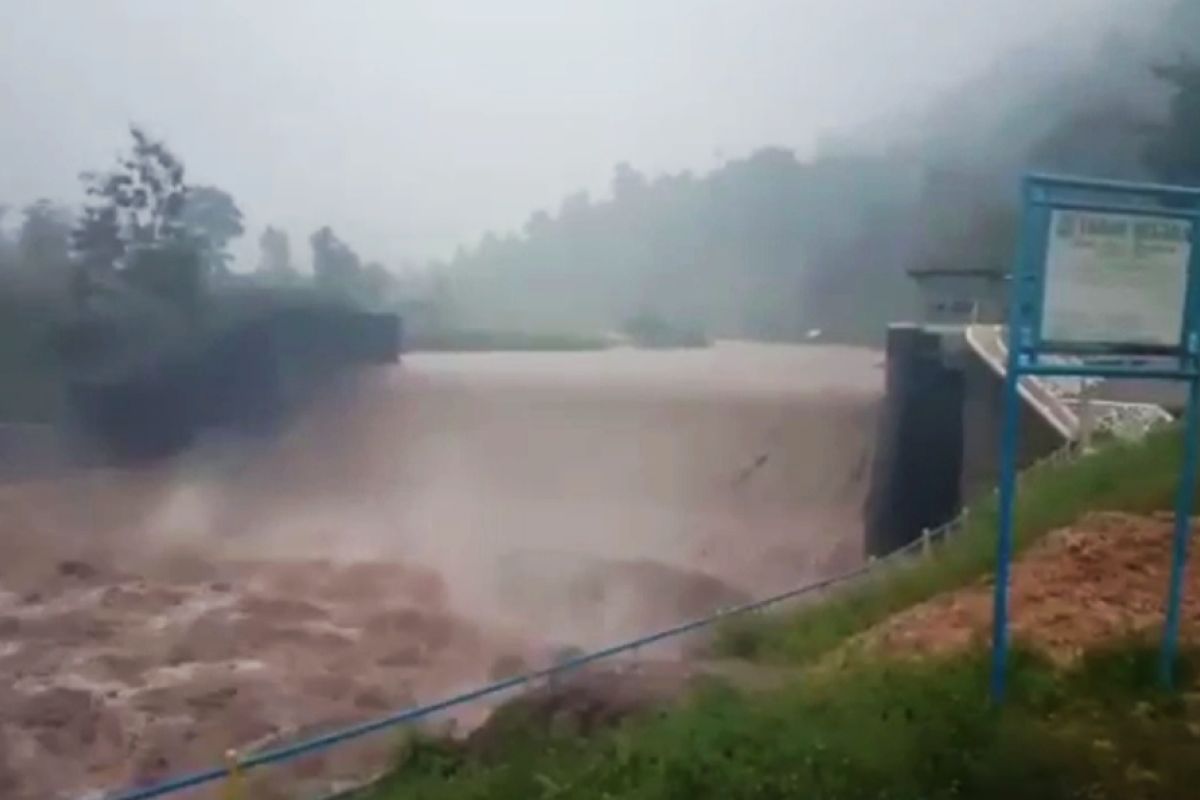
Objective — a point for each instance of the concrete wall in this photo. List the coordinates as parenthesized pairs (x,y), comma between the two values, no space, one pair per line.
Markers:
(939,436)
(31,451)
(247,379)
(982,419)
(1171,395)
(916,469)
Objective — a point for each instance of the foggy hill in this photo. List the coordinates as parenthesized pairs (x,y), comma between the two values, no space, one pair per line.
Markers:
(771,246)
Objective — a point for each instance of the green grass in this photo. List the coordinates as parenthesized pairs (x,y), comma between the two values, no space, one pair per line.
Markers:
(481,341)
(1137,477)
(877,730)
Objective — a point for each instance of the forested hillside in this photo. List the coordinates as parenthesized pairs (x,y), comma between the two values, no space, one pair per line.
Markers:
(772,246)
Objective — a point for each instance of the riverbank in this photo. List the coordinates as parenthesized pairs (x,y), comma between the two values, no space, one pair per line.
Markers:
(895,713)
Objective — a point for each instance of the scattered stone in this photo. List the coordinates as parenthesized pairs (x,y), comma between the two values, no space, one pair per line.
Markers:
(507,666)
(76,569)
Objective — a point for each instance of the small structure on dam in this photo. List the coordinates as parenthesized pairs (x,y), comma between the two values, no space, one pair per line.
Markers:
(961,296)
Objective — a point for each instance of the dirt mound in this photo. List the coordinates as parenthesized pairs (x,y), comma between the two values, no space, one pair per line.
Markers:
(1102,579)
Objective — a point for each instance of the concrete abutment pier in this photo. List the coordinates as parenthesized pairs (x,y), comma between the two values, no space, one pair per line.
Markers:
(938,438)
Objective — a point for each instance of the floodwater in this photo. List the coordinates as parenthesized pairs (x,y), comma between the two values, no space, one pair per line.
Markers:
(421,526)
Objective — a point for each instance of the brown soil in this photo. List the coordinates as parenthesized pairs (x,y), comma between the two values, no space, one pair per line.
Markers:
(1103,579)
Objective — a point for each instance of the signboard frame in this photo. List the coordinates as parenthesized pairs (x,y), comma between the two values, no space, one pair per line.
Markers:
(1110,357)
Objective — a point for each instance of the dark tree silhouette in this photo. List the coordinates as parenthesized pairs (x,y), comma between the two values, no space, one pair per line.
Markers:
(132,227)
(213,219)
(275,256)
(44,240)
(1172,152)
(336,266)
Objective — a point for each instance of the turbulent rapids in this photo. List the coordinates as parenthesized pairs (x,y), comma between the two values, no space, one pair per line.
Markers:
(423,527)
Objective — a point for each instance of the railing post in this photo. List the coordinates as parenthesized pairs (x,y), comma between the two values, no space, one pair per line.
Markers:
(1087,415)
(234,783)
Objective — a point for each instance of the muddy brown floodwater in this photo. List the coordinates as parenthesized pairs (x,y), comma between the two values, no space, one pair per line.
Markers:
(425,528)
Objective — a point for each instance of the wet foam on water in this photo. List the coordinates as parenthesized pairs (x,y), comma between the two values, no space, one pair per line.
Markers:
(421,525)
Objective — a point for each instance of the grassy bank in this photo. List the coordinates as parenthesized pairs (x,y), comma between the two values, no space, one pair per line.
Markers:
(1136,477)
(879,728)
(898,731)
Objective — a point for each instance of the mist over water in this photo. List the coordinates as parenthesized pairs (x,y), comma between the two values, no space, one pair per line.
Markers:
(527,175)
(415,530)
(519,477)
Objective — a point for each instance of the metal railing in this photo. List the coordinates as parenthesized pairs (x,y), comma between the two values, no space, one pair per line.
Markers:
(236,766)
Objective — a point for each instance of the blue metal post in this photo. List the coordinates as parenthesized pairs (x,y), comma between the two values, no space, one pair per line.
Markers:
(1024,295)
(1010,433)
(1183,524)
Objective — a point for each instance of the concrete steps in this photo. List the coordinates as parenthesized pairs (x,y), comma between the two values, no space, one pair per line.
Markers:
(1060,401)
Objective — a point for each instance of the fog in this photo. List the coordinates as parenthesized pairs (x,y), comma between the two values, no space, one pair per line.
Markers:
(705,212)
(414,127)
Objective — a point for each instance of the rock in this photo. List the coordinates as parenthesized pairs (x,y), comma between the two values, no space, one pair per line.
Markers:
(76,569)
(507,666)
(372,699)
(213,699)
(68,722)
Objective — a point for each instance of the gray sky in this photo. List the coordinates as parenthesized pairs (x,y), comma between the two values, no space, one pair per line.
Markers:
(412,126)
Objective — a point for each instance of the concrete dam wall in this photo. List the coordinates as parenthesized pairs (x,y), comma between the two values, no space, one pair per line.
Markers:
(246,378)
(939,433)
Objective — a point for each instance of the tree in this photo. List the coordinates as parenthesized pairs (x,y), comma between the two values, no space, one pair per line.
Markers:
(133,227)
(8,248)
(214,220)
(538,226)
(44,240)
(1103,139)
(96,240)
(275,256)
(336,267)
(173,271)
(146,193)
(627,182)
(1171,152)
(377,285)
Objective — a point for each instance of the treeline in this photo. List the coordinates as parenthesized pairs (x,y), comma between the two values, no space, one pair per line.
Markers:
(143,272)
(146,231)
(774,247)
(733,252)
(769,246)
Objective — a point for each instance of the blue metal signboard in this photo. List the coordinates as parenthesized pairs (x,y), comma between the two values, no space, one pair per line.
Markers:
(1106,273)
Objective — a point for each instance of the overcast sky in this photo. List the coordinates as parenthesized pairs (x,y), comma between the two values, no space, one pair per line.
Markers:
(412,126)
